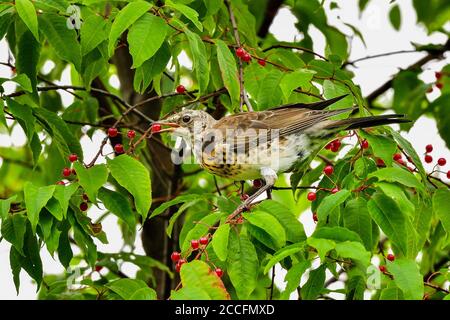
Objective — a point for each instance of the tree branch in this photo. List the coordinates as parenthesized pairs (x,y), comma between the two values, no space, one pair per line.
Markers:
(271,11)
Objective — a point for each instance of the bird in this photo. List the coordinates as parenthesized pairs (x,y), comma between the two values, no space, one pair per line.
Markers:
(262,144)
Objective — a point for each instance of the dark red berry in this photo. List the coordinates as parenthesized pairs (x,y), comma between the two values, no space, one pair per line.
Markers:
(83,206)
(428,158)
(401,162)
(240,52)
(439,85)
(429,148)
(334,190)
(442,162)
(246,57)
(390,257)
(219,272)
(328,146)
(328,170)
(98,268)
(204,241)
(61,183)
(156,127)
(181,89)
(335,145)
(194,244)
(73,157)
(382,269)
(112,132)
(397,156)
(67,172)
(380,162)
(364,144)
(118,148)
(311,196)
(257,183)
(85,197)
(315,218)
(430,89)
(175,256)
(438,75)
(244,196)
(179,264)
(262,62)
(131,134)
(448,174)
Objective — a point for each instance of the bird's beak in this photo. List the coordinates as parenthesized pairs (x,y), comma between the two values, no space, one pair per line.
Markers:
(172,126)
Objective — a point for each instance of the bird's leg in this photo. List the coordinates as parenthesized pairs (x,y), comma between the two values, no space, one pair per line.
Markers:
(270,176)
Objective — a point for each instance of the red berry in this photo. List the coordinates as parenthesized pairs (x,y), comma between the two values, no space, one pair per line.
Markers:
(428,158)
(334,190)
(315,218)
(439,85)
(429,148)
(401,162)
(335,145)
(328,146)
(380,162)
(61,183)
(240,52)
(204,241)
(328,170)
(118,148)
(194,244)
(98,268)
(181,89)
(179,264)
(257,183)
(262,62)
(364,144)
(311,196)
(83,206)
(442,162)
(438,75)
(390,257)
(85,197)
(219,272)
(67,172)
(397,156)
(156,127)
(448,174)
(73,157)
(131,134)
(430,89)
(246,57)
(244,196)
(175,256)
(112,132)
(382,268)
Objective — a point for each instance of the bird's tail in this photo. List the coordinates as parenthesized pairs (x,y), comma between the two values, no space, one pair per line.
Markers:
(365,122)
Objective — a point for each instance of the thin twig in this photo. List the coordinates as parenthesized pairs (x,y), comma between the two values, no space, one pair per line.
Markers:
(291,46)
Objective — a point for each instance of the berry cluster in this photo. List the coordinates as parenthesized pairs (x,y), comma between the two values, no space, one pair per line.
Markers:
(429,159)
(334,145)
(439,84)
(113,132)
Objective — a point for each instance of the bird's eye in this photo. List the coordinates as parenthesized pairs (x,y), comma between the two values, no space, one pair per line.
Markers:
(186,119)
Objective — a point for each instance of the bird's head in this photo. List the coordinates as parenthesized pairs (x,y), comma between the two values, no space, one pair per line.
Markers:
(187,122)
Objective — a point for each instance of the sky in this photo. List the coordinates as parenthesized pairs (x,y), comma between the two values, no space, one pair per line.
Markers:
(379,36)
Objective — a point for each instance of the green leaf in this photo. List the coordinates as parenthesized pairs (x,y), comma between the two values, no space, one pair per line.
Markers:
(189,293)
(31,262)
(410,151)
(293,278)
(390,218)
(62,39)
(199,230)
(398,175)
(315,284)
(269,224)
(63,195)
(293,80)
(189,13)
(151,68)
(283,253)
(180,199)
(118,205)
(127,288)
(228,69)
(65,253)
(13,230)
(35,199)
(200,58)
(337,234)
(441,206)
(357,219)
(94,31)
(395,17)
(145,37)
(391,294)
(323,246)
(407,277)
(198,274)
(16,266)
(220,241)
(27,12)
(135,178)
(331,202)
(397,193)
(5,206)
(242,265)
(125,18)
(54,207)
(353,250)
(144,294)
(292,226)
(91,179)
(23,81)
(382,146)
(269,92)
(24,116)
